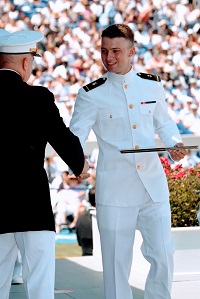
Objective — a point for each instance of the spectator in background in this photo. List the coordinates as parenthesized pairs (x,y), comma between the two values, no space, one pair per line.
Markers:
(93,158)
(192,120)
(50,168)
(194,90)
(175,115)
(91,181)
(54,189)
(68,110)
(84,226)
(186,106)
(69,201)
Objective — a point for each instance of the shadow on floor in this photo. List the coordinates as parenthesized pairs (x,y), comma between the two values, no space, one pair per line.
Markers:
(74,281)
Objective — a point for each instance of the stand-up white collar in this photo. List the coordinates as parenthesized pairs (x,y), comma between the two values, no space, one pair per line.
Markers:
(121,78)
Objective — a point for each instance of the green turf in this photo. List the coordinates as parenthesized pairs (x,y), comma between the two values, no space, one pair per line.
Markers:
(68,250)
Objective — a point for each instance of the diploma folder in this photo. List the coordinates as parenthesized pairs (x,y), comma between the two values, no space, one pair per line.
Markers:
(157,149)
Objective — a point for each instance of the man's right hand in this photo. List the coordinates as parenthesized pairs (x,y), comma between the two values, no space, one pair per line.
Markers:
(84,174)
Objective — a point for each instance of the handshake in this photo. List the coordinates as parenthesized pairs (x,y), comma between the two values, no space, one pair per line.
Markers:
(84,174)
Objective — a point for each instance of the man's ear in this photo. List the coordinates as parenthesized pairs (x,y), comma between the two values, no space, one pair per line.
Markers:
(132,51)
(25,63)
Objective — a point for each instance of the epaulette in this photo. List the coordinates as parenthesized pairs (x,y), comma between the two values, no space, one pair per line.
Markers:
(149,76)
(94,84)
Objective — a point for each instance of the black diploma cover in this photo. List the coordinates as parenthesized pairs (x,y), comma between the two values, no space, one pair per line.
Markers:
(157,149)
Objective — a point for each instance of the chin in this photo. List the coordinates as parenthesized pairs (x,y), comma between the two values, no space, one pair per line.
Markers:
(112,69)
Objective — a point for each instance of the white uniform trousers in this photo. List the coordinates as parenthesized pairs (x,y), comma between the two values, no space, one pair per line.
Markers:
(117,227)
(37,250)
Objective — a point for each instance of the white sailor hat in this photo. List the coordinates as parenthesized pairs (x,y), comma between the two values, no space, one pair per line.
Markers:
(20,42)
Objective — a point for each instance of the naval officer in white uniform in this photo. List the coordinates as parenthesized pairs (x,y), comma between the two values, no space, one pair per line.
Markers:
(126,109)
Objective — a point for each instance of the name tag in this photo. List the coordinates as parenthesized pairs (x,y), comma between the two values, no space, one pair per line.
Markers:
(150,102)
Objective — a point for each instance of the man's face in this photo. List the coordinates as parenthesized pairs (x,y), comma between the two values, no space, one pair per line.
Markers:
(116,54)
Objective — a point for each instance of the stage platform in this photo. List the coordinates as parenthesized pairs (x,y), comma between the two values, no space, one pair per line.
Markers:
(81,278)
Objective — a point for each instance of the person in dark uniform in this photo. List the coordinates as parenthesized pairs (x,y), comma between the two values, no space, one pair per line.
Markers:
(84,226)
(126,109)
(30,121)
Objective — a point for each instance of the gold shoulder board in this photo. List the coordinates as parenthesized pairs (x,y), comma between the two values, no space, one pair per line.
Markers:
(94,84)
(149,76)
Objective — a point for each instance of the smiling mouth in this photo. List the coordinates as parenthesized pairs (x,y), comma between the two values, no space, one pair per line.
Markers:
(110,64)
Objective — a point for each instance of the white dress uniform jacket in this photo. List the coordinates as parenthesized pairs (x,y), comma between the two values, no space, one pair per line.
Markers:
(125,112)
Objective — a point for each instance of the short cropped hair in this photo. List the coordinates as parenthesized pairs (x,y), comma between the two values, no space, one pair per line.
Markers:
(118,30)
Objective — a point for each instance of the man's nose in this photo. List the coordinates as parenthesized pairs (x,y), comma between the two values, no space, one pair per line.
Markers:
(109,55)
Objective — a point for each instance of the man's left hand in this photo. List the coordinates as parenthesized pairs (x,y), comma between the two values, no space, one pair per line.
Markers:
(178,154)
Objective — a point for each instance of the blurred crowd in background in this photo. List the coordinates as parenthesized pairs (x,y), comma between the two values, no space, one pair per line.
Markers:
(167,43)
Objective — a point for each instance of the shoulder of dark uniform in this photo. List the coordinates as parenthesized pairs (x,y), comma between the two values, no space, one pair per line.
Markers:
(38,89)
(39,92)
(149,76)
(95,84)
